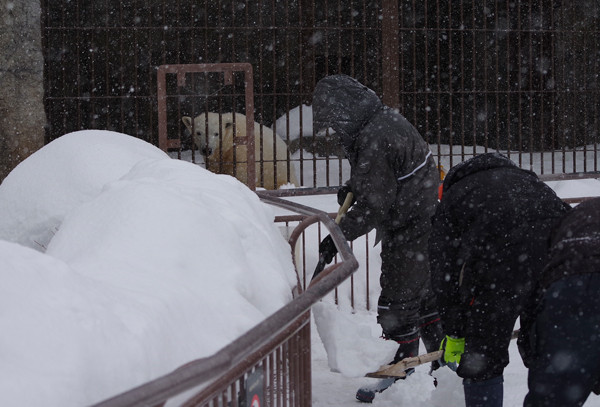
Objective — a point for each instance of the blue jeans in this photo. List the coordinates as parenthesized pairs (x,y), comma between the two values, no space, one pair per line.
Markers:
(486,393)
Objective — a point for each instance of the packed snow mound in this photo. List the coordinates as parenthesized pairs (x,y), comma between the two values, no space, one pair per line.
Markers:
(41,190)
(67,339)
(288,125)
(170,216)
(353,348)
(150,269)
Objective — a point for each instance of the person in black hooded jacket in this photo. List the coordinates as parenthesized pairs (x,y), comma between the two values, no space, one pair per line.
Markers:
(394,180)
(561,345)
(487,249)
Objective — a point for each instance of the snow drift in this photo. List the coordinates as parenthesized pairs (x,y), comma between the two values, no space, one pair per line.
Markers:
(151,263)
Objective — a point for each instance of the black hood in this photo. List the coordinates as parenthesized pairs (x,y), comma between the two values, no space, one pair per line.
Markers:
(344,104)
(478,163)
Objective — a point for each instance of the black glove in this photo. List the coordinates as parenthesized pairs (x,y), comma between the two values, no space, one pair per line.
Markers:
(342,193)
(327,249)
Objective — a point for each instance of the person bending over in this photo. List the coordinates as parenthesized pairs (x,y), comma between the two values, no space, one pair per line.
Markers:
(394,181)
(487,249)
(561,342)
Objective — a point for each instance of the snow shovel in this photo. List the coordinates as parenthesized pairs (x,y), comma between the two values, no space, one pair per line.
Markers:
(341,212)
(398,369)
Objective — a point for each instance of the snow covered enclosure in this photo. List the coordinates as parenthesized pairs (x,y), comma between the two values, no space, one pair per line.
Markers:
(151,263)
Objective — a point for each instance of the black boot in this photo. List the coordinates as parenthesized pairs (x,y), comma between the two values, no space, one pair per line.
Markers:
(408,347)
(431,332)
(432,335)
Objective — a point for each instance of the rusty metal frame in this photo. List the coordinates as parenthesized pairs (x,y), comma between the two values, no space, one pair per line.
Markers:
(164,143)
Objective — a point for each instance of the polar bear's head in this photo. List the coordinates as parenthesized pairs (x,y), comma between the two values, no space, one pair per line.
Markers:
(208,135)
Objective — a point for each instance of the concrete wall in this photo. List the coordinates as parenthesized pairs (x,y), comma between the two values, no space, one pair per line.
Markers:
(22,117)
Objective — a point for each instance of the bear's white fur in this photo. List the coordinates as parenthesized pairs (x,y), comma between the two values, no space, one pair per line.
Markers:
(218,149)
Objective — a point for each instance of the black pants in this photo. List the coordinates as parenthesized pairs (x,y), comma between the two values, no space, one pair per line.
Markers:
(490,322)
(566,355)
(405,279)
(407,309)
(498,300)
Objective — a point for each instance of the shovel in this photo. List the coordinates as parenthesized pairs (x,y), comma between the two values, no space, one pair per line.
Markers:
(399,369)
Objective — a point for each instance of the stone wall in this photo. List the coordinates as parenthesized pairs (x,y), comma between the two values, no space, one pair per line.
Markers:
(22,117)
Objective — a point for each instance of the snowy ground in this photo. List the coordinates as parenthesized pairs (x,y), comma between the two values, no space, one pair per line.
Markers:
(120,264)
(334,389)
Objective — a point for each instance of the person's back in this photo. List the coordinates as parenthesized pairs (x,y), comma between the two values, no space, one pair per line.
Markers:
(562,348)
(492,197)
(496,209)
(393,174)
(487,247)
(575,245)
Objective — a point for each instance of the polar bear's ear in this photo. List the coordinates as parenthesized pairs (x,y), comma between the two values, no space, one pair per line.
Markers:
(228,124)
(187,121)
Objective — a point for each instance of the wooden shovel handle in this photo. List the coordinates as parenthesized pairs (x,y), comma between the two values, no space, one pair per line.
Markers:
(344,208)
(399,369)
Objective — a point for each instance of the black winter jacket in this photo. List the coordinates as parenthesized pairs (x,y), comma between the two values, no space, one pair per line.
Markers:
(493,218)
(575,244)
(574,249)
(382,147)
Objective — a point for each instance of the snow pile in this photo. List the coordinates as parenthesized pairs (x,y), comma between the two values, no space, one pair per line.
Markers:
(352,348)
(40,191)
(151,268)
(419,390)
(576,188)
(291,122)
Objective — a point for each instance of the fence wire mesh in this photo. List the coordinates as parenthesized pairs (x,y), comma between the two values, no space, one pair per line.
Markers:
(471,75)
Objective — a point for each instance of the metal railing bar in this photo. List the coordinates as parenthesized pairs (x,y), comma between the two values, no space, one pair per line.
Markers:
(289,192)
(569,176)
(239,369)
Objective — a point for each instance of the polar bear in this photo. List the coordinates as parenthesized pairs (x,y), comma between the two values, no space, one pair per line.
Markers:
(218,149)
